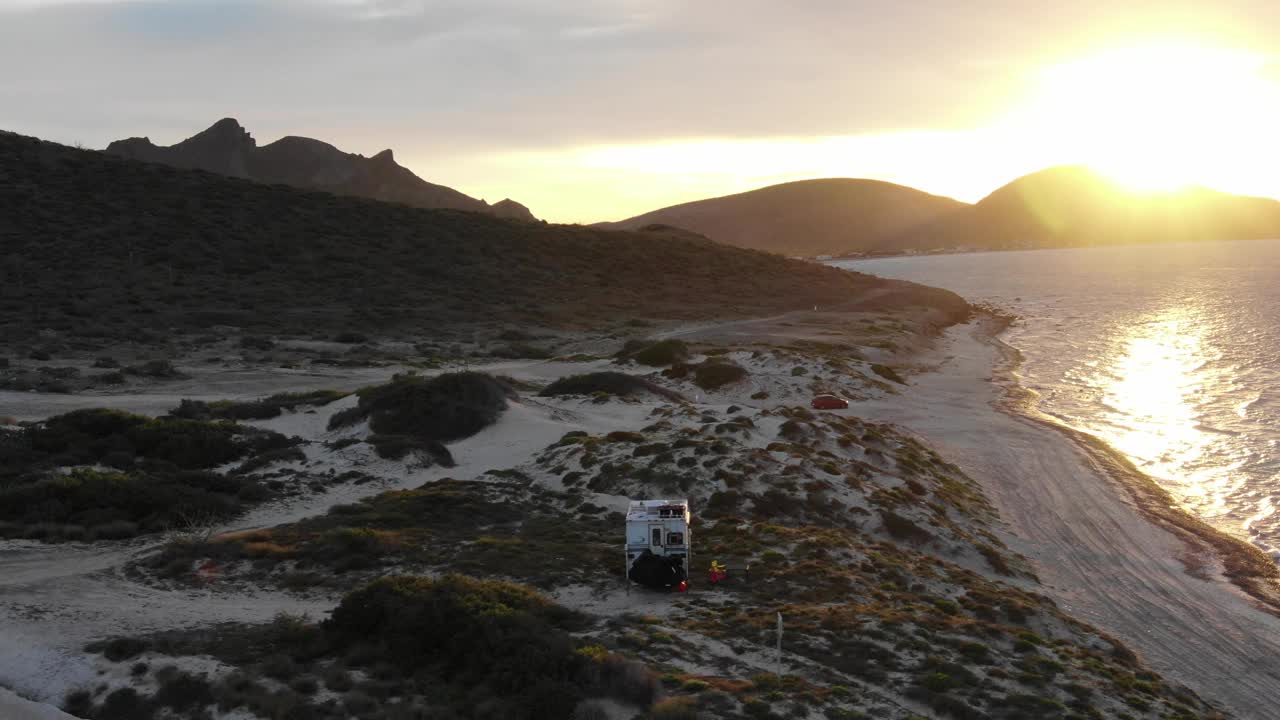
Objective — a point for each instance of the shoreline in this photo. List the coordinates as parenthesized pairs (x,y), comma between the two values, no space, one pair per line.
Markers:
(1243,563)
(1098,556)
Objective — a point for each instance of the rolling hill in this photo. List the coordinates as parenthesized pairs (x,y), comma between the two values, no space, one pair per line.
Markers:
(95,244)
(1072,206)
(227,148)
(809,217)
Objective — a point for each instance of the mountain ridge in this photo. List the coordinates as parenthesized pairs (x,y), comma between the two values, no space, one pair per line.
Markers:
(142,248)
(1077,206)
(227,148)
(1059,206)
(804,217)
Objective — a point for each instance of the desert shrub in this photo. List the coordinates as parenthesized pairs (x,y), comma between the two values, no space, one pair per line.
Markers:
(108,363)
(517,350)
(254,342)
(263,409)
(723,503)
(350,338)
(444,408)
(396,447)
(124,704)
(121,648)
(995,559)
(162,369)
(84,437)
(624,436)
(614,383)
(78,703)
(183,691)
(163,478)
(903,528)
(663,352)
(488,634)
(712,375)
(113,503)
(257,462)
(675,708)
(888,373)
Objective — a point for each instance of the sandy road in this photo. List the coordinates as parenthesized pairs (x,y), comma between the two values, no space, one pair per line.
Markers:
(1099,559)
(56,598)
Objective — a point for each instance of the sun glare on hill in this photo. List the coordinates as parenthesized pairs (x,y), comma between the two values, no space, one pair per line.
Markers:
(1161,117)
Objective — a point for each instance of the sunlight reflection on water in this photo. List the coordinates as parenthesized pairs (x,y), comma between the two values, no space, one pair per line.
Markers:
(1149,394)
(1169,353)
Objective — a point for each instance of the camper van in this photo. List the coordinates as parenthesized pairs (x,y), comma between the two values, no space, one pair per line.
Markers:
(658,542)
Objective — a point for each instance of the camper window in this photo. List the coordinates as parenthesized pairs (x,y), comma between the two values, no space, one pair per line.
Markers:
(657,536)
(675,538)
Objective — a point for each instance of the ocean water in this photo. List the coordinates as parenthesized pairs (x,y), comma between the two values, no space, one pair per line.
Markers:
(1170,353)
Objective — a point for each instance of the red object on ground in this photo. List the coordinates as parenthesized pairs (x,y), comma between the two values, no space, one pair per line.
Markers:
(829,402)
(682,587)
(717,576)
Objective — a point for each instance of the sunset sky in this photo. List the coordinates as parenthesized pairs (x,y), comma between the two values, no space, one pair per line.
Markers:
(602,109)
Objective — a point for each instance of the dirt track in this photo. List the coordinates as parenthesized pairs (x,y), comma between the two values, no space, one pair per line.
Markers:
(1098,557)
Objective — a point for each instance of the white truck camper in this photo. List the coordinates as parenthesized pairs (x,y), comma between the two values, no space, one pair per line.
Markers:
(658,543)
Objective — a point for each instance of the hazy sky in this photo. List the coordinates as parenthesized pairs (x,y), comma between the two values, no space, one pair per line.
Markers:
(602,109)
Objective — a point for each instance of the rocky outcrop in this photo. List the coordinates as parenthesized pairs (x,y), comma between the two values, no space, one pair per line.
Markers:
(510,209)
(227,148)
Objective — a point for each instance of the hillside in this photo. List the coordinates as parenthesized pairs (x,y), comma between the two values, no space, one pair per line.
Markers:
(227,148)
(1074,206)
(97,244)
(810,217)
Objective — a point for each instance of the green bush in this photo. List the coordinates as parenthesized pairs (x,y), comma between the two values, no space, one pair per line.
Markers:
(888,373)
(84,437)
(614,383)
(663,352)
(161,477)
(396,447)
(903,529)
(712,375)
(111,504)
(161,369)
(263,409)
(518,350)
(444,408)
(488,634)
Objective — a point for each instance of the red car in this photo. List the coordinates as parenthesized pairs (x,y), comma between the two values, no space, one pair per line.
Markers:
(829,402)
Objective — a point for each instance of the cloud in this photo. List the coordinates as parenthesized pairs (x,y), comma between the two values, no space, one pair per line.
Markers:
(449,82)
(505,72)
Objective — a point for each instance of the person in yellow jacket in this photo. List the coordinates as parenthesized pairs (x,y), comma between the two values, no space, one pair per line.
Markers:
(718,572)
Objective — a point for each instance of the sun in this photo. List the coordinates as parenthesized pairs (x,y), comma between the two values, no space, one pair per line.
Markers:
(1160,117)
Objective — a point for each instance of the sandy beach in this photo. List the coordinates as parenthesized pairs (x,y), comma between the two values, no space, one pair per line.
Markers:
(1096,555)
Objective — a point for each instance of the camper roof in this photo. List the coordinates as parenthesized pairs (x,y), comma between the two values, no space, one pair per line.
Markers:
(656,509)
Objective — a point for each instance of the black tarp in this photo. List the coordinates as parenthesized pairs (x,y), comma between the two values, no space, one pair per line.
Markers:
(655,571)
